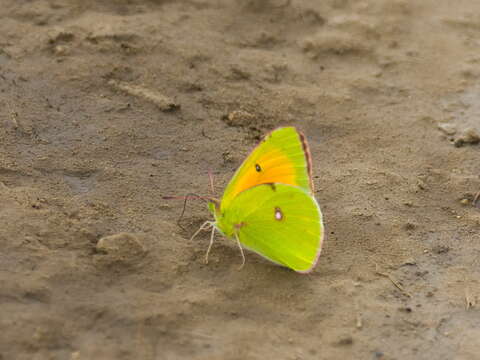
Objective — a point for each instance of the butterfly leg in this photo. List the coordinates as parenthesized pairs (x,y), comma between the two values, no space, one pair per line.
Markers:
(206,225)
(210,245)
(241,251)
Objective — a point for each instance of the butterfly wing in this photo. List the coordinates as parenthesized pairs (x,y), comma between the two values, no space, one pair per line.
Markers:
(280,222)
(281,157)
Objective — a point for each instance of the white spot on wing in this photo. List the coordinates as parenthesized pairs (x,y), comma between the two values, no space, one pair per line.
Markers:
(278,214)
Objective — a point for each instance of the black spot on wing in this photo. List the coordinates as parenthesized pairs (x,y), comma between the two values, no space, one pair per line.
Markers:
(272,186)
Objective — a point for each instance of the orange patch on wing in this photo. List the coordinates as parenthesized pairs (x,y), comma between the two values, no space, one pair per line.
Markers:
(276,167)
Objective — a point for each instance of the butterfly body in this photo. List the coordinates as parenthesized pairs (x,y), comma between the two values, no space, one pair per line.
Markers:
(269,206)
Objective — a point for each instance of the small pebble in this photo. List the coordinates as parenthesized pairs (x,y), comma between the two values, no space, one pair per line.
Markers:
(121,247)
(345,341)
(469,136)
(410,226)
(410,261)
(239,118)
(59,50)
(448,129)
(440,249)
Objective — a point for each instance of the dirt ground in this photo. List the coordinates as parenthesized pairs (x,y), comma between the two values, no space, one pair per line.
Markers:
(106,106)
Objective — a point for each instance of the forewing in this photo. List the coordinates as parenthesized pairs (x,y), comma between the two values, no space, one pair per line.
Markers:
(281,157)
(280,222)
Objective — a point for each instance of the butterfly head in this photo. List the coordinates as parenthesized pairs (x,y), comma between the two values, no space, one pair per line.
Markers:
(214,206)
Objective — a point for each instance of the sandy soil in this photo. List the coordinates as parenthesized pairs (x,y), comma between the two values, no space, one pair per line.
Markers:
(106,106)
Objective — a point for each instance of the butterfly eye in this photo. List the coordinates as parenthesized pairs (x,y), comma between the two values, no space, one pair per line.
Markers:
(278,214)
(258,168)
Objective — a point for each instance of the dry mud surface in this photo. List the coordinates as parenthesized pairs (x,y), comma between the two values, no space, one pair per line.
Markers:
(106,106)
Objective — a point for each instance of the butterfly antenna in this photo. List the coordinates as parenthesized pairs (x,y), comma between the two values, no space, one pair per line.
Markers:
(210,176)
(185,199)
(184,207)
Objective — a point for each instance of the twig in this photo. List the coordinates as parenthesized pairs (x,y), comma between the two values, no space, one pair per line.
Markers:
(13,117)
(475,199)
(358,317)
(204,134)
(394,282)
(469,299)
(163,102)
(286,4)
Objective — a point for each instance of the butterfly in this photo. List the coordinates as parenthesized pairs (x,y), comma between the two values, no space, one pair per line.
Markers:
(269,206)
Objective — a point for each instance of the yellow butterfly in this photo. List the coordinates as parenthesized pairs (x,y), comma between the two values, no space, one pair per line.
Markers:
(269,206)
